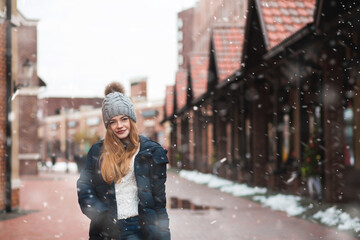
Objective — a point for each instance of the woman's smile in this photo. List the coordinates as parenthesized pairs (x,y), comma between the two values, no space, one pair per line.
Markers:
(120,132)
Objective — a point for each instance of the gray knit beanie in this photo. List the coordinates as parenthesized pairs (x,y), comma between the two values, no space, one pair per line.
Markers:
(116,103)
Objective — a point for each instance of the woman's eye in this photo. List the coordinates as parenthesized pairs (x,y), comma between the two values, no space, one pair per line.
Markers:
(125,119)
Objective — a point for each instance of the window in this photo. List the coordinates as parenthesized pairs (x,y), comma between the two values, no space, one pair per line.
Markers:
(180,47)
(149,113)
(180,60)
(349,135)
(180,36)
(92,121)
(180,23)
(72,124)
(54,126)
(286,137)
(271,141)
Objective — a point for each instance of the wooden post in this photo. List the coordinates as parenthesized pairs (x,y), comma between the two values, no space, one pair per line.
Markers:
(259,122)
(333,123)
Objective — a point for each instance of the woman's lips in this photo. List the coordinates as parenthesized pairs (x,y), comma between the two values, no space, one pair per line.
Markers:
(120,132)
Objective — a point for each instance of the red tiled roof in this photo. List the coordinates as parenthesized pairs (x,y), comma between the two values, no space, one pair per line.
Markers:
(199,64)
(169,101)
(282,18)
(228,43)
(181,89)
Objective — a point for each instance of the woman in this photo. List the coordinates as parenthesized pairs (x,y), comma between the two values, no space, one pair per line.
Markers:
(122,187)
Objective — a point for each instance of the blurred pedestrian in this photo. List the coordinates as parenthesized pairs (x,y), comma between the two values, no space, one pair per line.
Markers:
(314,182)
(122,187)
(53,160)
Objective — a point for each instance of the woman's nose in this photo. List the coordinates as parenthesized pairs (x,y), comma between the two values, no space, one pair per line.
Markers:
(119,124)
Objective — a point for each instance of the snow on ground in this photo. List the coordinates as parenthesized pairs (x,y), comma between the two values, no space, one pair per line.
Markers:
(239,190)
(203,178)
(336,217)
(224,185)
(287,203)
(59,167)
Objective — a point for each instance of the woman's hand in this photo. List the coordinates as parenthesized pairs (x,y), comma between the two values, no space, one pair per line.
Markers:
(108,225)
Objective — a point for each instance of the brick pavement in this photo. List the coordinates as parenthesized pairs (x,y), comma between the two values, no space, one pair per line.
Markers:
(58,216)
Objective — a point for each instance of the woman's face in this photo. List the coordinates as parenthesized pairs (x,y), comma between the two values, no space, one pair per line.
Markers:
(120,125)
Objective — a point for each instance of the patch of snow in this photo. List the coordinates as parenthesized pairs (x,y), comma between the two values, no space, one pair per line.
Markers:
(286,203)
(59,167)
(210,180)
(195,176)
(224,185)
(329,217)
(218,182)
(239,190)
(336,217)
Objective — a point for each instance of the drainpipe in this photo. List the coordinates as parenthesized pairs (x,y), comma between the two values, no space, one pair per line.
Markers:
(8,107)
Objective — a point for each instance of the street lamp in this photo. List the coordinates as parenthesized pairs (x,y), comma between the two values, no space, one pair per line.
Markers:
(28,70)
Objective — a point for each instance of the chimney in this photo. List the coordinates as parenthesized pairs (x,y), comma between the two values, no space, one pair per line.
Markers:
(138,89)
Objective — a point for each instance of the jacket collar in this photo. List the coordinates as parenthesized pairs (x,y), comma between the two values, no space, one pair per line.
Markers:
(147,146)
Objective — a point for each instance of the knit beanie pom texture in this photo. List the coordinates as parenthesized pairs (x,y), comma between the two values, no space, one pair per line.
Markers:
(114,87)
(116,103)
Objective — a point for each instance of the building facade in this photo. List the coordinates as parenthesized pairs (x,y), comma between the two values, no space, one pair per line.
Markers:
(50,106)
(185,36)
(68,126)
(28,87)
(191,84)
(70,134)
(149,112)
(11,72)
(4,95)
(71,125)
(289,100)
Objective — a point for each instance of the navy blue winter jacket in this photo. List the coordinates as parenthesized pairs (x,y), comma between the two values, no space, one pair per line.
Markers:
(96,196)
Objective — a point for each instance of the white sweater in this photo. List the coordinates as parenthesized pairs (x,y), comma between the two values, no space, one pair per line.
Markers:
(127,194)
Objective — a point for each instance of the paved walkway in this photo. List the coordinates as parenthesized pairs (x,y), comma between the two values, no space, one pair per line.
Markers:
(238,219)
(57,216)
(196,212)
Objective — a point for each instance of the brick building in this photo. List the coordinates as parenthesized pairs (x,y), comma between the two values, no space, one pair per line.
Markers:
(285,81)
(138,89)
(69,126)
(28,86)
(70,133)
(12,71)
(212,13)
(210,22)
(64,119)
(3,108)
(149,112)
(185,36)
(50,106)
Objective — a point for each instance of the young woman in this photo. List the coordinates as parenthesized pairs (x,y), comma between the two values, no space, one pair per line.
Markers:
(122,187)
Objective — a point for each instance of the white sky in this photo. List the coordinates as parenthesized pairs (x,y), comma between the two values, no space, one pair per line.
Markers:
(85,44)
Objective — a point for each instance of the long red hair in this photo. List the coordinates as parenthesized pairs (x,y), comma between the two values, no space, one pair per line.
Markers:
(115,157)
